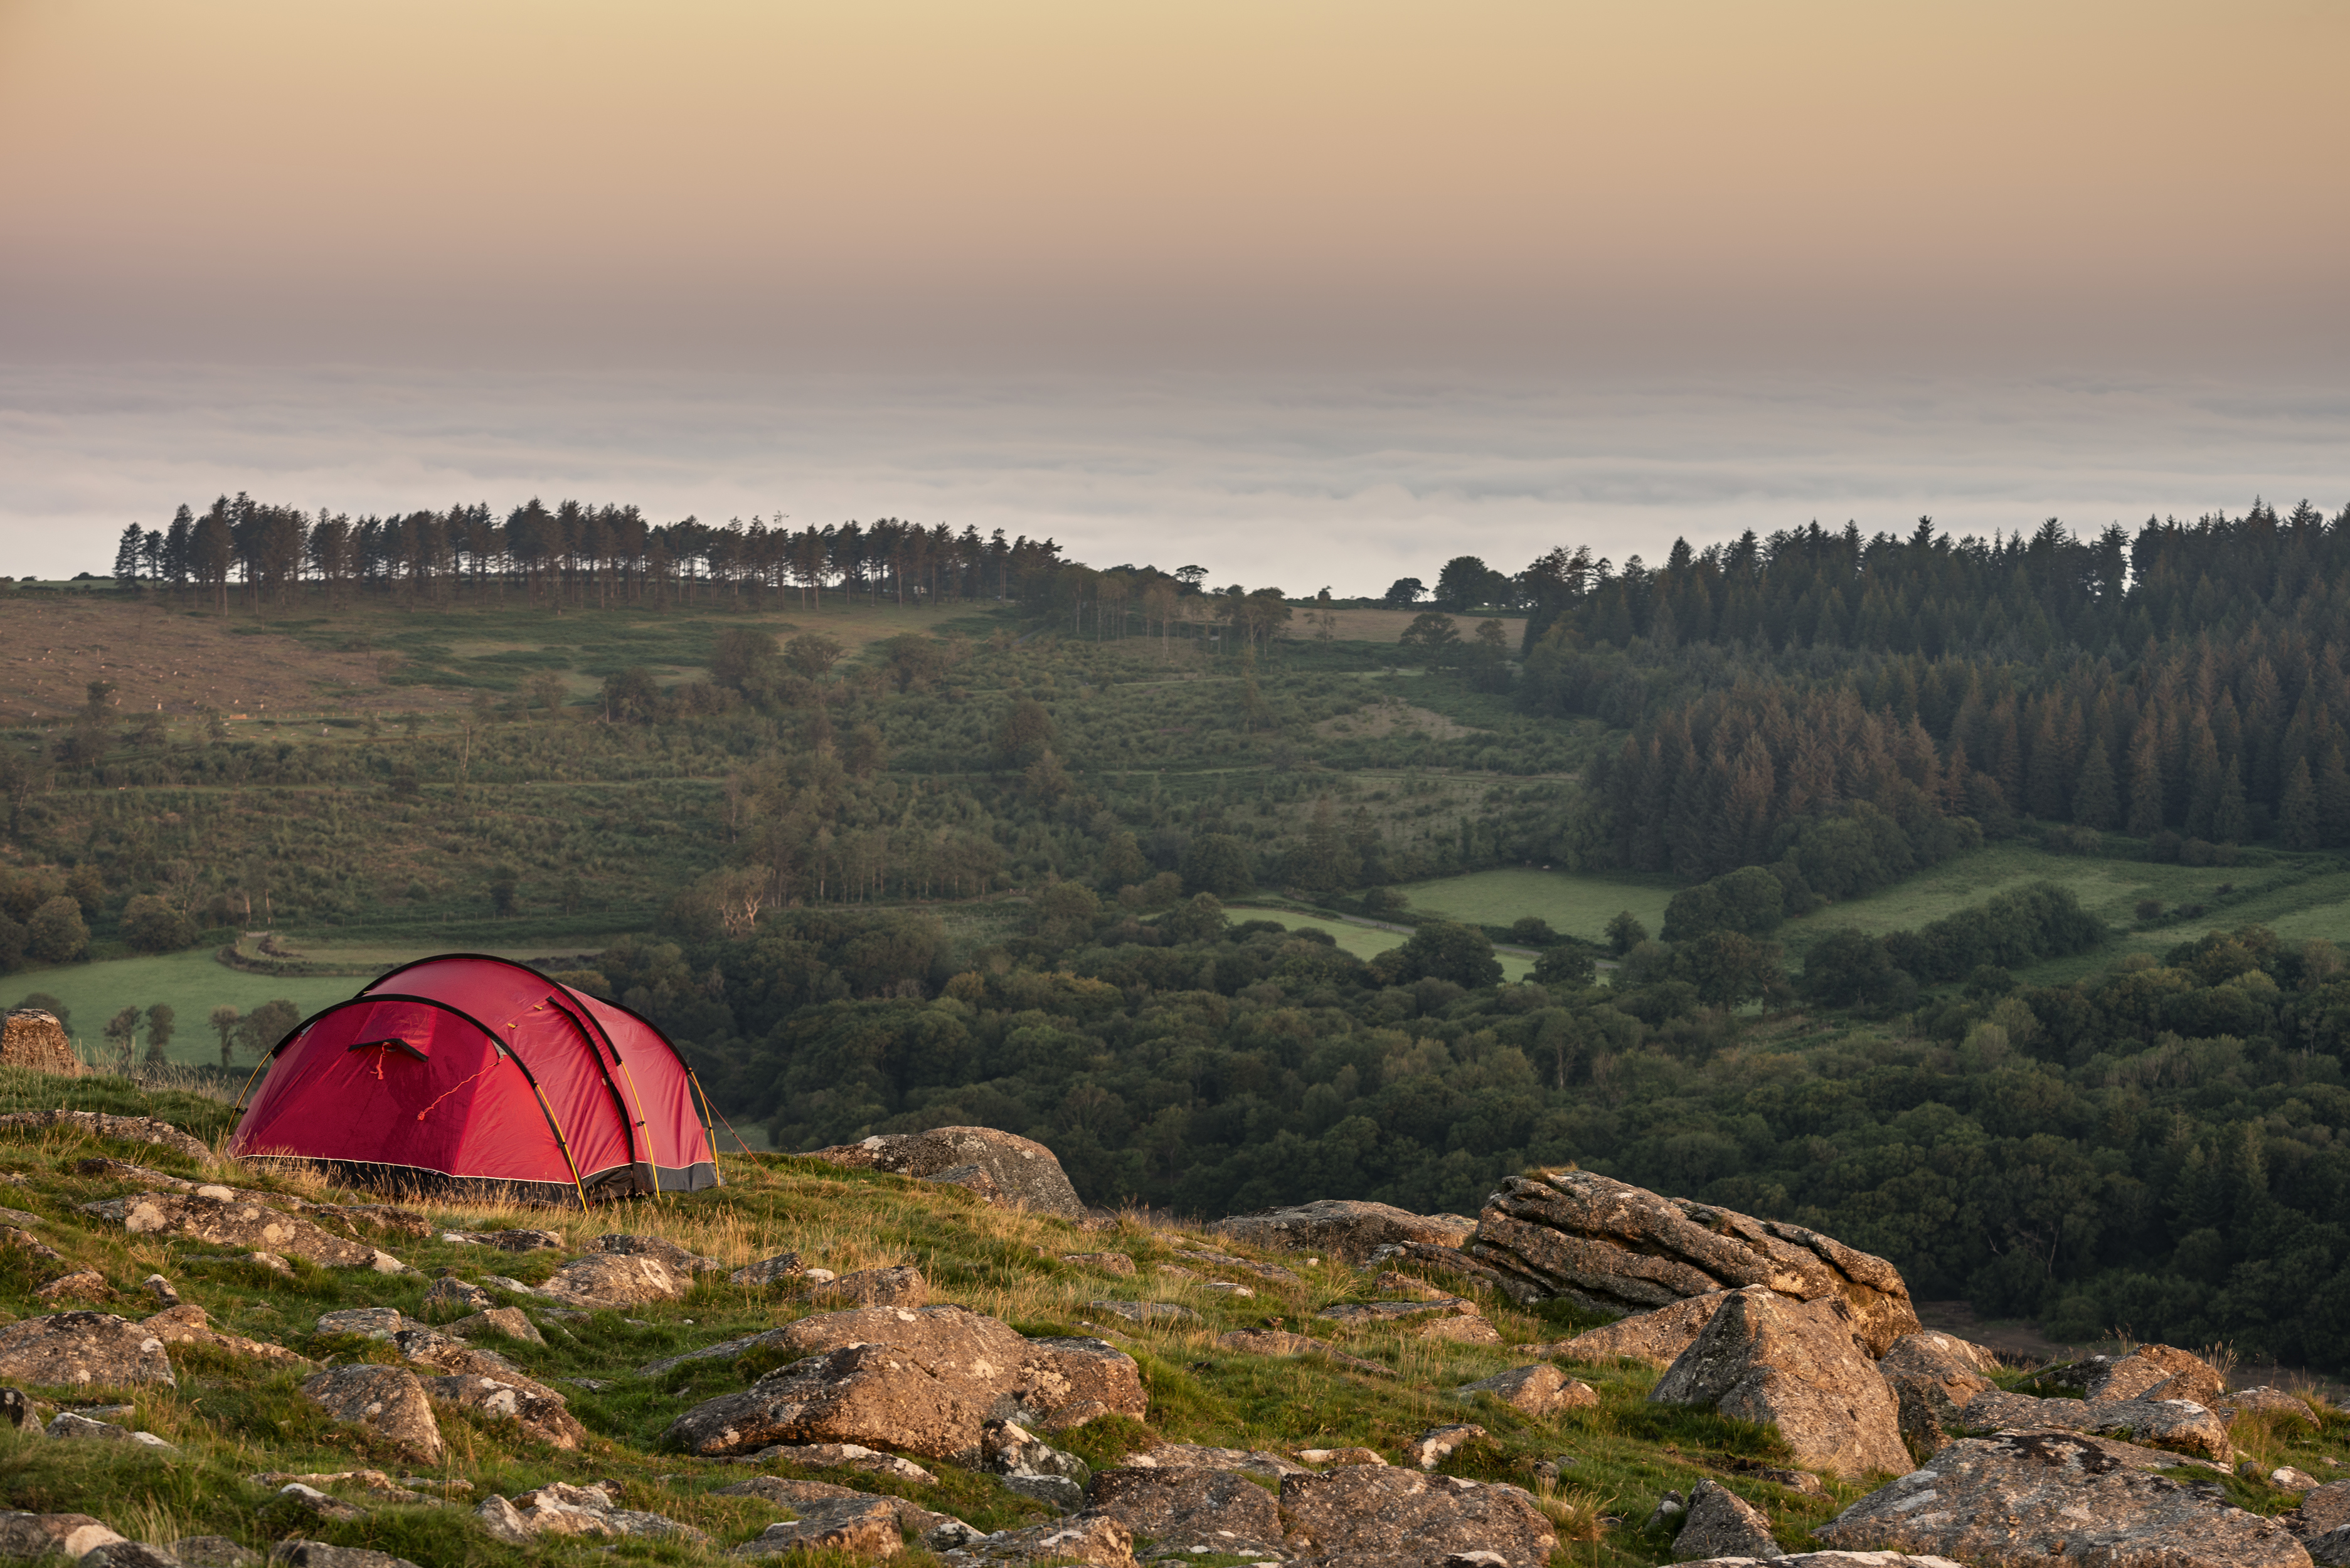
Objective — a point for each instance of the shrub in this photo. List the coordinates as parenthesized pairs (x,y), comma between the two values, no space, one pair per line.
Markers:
(55,933)
(152,926)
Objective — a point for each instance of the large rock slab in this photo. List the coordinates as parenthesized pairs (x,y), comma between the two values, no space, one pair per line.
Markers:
(2180,1425)
(1620,1248)
(922,1382)
(1934,1375)
(1019,1172)
(82,1350)
(1798,1367)
(32,1037)
(861,1526)
(1408,1516)
(1656,1337)
(2030,1498)
(389,1401)
(1190,1510)
(238,1223)
(1344,1228)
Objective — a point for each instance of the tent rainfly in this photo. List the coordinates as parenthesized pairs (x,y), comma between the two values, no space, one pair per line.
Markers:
(479,1078)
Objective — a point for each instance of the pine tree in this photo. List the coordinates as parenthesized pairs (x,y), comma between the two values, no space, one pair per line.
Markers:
(2334,798)
(2229,823)
(126,553)
(2094,802)
(2146,784)
(2297,820)
(2204,784)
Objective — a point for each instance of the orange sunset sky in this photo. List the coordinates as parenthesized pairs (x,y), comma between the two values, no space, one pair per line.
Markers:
(1559,194)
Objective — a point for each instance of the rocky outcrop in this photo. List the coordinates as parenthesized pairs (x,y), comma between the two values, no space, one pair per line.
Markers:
(231,1221)
(82,1349)
(1798,1367)
(1934,1375)
(501,1323)
(2033,1497)
(1459,1265)
(1618,1247)
(1720,1523)
(1828,1559)
(389,1401)
(1656,1337)
(1342,1228)
(33,1038)
(1033,1467)
(923,1382)
(1405,1516)
(1537,1390)
(1190,1510)
(1020,1173)
(2180,1425)
(119,1129)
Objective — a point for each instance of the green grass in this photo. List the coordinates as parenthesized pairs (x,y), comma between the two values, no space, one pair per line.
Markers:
(230,1417)
(1363,941)
(1576,904)
(193,983)
(2299,899)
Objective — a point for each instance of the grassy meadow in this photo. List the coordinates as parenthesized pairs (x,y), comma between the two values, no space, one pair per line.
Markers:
(1576,904)
(1363,941)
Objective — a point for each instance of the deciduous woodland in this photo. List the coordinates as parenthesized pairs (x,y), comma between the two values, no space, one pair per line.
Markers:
(1999,879)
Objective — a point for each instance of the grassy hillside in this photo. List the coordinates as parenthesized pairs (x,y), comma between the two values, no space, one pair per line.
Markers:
(1576,904)
(230,1419)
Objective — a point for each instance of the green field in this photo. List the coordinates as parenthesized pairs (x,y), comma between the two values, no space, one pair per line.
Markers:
(193,983)
(2298,898)
(1576,904)
(1363,941)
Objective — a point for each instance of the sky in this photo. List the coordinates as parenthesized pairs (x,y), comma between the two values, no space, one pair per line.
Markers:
(1333,289)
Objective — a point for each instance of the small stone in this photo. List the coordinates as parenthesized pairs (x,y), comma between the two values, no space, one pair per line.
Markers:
(318,1554)
(843,1456)
(1341,1457)
(453,1294)
(1537,1390)
(83,1285)
(856,1527)
(1147,1312)
(130,1555)
(506,1322)
(161,1289)
(874,1287)
(318,1505)
(1438,1444)
(71,1424)
(369,1323)
(1667,1512)
(32,1535)
(1104,1262)
(2287,1478)
(772,1270)
(14,1408)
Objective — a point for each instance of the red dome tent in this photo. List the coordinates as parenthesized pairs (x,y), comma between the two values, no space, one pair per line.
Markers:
(481,1077)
